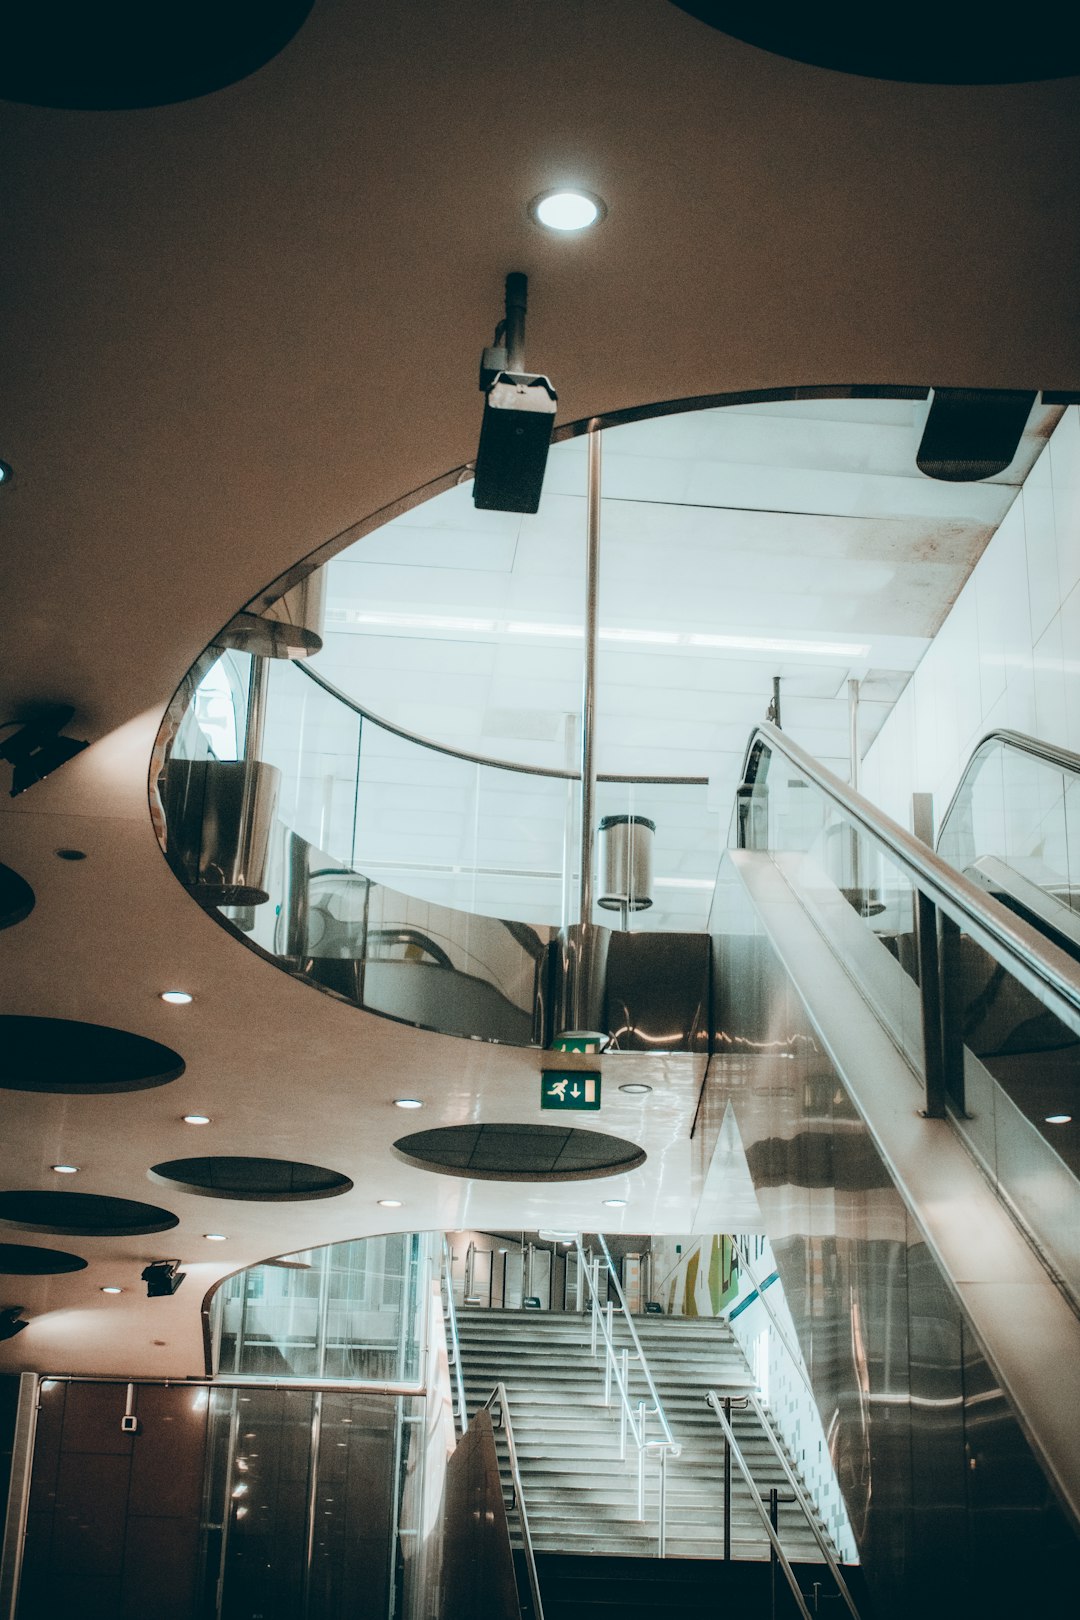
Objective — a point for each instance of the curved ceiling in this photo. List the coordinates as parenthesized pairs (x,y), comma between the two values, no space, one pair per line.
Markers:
(236,324)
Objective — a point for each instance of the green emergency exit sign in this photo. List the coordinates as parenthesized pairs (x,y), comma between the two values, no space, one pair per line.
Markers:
(570,1089)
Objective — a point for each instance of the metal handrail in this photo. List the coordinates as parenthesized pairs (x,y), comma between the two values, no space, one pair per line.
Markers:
(616,1365)
(712,1399)
(795,1359)
(1040,966)
(555,773)
(807,1506)
(1052,754)
(455,1342)
(657,1406)
(498,1398)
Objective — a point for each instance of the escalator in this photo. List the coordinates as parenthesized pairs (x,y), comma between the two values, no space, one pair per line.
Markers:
(899,1050)
(1013,828)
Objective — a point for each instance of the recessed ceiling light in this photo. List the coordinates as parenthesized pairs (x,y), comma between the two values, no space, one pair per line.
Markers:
(636,1088)
(112,1289)
(1059,1119)
(214,1237)
(196,1119)
(407,1102)
(176,998)
(389,1203)
(6,474)
(71,854)
(615,1203)
(567,209)
(65,1169)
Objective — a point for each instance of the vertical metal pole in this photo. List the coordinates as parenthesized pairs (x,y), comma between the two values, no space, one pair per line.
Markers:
(727,1484)
(595,1268)
(517,299)
(926,936)
(18,1503)
(853,731)
(952,1011)
(570,757)
(853,754)
(588,686)
(622,1412)
(255,718)
(662,1542)
(774,1519)
(313,1498)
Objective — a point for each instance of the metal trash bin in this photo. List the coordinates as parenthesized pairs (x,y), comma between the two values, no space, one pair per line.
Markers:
(626,859)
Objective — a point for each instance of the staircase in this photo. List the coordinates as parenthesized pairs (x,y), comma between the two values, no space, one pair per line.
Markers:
(580,1497)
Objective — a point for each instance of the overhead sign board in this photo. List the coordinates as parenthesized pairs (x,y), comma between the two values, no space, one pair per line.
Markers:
(563,1089)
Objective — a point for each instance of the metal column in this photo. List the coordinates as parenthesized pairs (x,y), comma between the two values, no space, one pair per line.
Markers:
(588,688)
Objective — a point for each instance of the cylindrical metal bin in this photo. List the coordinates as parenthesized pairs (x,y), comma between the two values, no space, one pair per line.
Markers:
(218,815)
(626,850)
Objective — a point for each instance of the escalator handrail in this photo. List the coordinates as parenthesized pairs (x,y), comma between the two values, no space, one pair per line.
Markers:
(1051,975)
(1053,754)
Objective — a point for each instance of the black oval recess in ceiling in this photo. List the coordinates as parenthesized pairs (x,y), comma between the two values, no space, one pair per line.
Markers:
(116,54)
(65,1055)
(23,1260)
(519,1152)
(16,897)
(261,1180)
(950,42)
(82,1214)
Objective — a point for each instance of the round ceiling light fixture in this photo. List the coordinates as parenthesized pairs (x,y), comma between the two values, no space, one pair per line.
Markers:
(407,1102)
(196,1119)
(636,1088)
(6,474)
(615,1203)
(176,998)
(111,1288)
(567,209)
(389,1203)
(1059,1119)
(65,1169)
(215,1237)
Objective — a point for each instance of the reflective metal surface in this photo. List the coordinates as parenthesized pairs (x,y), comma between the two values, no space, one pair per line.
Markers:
(951,1512)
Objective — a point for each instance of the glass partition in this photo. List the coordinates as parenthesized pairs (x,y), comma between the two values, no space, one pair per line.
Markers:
(347,1311)
(1014,828)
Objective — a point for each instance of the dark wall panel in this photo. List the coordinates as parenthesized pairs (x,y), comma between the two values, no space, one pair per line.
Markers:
(113,1526)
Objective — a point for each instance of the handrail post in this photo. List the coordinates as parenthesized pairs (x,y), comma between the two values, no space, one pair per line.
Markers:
(662,1538)
(641,1463)
(933,1038)
(609,1355)
(774,1520)
(727,1483)
(623,1410)
(952,1010)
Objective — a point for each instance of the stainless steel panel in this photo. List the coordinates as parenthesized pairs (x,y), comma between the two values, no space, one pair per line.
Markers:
(950,1510)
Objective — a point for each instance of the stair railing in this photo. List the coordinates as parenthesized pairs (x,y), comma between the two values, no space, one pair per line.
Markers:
(499,1408)
(454,1344)
(721,1406)
(633,1418)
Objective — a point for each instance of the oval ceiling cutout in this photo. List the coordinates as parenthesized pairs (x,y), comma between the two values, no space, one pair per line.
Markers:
(62,1054)
(16,897)
(129,53)
(262,1180)
(957,43)
(82,1214)
(22,1260)
(519,1152)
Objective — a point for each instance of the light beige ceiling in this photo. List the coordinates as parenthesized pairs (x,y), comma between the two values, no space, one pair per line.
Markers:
(236,326)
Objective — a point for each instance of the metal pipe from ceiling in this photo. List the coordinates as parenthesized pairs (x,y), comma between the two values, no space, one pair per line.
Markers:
(588,681)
